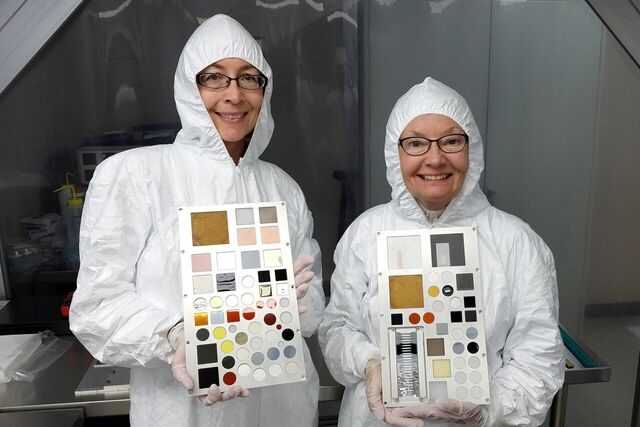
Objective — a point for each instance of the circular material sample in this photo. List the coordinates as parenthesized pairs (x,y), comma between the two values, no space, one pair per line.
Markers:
(271,303)
(202,334)
(215,302)
(473,347)
(247,299)
(229,378)
(459,362)
(231,301)
(241,338)
(474,362)
(428,318)
(249,313)
(275,370)
(458,348)
(278,326)
(433,277)
(461,393)
(257,358)
(447,277)
(457,334)
(271,336)
(284,302)
(256,343)
(433,291)
(448,291)
(232,329)
(242,354)
(244,370)
(226,346)
(291,368)
(248,281)
(255,327)
(286,317)
(228,362)
(289,352)
(288,334)
(200,304)
(476,392)
(438,306)
(273,353)
(475,377)
(472,333)
(269,319)
(259,374)
(455,303)
(461,378)
(260,304)
(414,318)
(219,333)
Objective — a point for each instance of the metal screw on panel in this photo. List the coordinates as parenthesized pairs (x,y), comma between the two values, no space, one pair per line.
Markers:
(188,342)
(287,244)
(182,251)
(283,203)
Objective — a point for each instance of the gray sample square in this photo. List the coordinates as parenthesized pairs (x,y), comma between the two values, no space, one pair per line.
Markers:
(268,215)
(225,282)
(464,281)
(244,216)
(456,249)
(250,259)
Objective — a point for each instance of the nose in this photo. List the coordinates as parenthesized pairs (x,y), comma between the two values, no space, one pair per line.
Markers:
(435,156)
(233,93)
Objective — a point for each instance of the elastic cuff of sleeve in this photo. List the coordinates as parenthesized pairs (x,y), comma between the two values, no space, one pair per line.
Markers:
(363,356)
(176,334)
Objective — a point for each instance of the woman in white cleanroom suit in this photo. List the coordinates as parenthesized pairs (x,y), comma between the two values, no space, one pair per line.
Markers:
(432,188)
(129,290)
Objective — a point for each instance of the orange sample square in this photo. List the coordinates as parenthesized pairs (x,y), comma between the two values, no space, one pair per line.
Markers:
(270,234)
(233,316)
(246,236)
(406,291)
(209,228)
(201,319)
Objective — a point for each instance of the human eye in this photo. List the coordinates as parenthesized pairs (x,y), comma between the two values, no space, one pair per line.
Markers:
(415,143)
(250,81)
(453,141)
(212,79)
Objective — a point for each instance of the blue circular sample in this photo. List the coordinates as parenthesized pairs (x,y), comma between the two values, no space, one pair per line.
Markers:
(273,353)
(472,333)
(289,352)
(458,348)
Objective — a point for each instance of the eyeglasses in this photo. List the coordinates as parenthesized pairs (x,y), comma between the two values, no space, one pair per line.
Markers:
(220,81)
(417,146)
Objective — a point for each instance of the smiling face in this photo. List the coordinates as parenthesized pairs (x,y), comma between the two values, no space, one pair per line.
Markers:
(234,111)
(435,177)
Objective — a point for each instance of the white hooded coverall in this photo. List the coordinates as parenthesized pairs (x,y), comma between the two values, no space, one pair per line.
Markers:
(525,351)
(129,288)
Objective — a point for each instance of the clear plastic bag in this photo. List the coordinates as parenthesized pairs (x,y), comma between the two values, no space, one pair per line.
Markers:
(48,352)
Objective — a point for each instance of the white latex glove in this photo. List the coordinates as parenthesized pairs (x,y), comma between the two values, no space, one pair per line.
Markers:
(303,278)
(373,390)
(448,410)
(180,373)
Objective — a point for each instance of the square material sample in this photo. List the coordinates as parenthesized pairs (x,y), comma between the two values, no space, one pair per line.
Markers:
(241,319)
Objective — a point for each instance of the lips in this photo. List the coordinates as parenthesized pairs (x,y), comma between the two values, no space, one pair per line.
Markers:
(231,116)
(435,177)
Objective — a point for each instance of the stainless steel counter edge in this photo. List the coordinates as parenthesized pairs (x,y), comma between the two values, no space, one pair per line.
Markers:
(110,407)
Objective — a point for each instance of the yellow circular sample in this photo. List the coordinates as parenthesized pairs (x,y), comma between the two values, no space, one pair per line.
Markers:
(433,291)
(219,333)
(216,302)
(226,346)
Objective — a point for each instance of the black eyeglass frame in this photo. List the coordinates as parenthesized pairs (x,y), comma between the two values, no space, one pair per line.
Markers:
(230,79)
(437,141)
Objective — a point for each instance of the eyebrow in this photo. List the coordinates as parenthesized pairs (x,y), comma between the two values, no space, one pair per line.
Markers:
(217,68)
(449,131)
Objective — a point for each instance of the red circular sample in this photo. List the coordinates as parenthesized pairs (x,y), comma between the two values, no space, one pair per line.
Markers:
(428,317)
(260,304)
(248,313)
(269,319)
(229,378)
(278,326)
(414,318)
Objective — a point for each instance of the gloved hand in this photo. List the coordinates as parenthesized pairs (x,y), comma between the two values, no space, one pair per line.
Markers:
(302,278)
(180,373)
(448,410)
(373,391)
